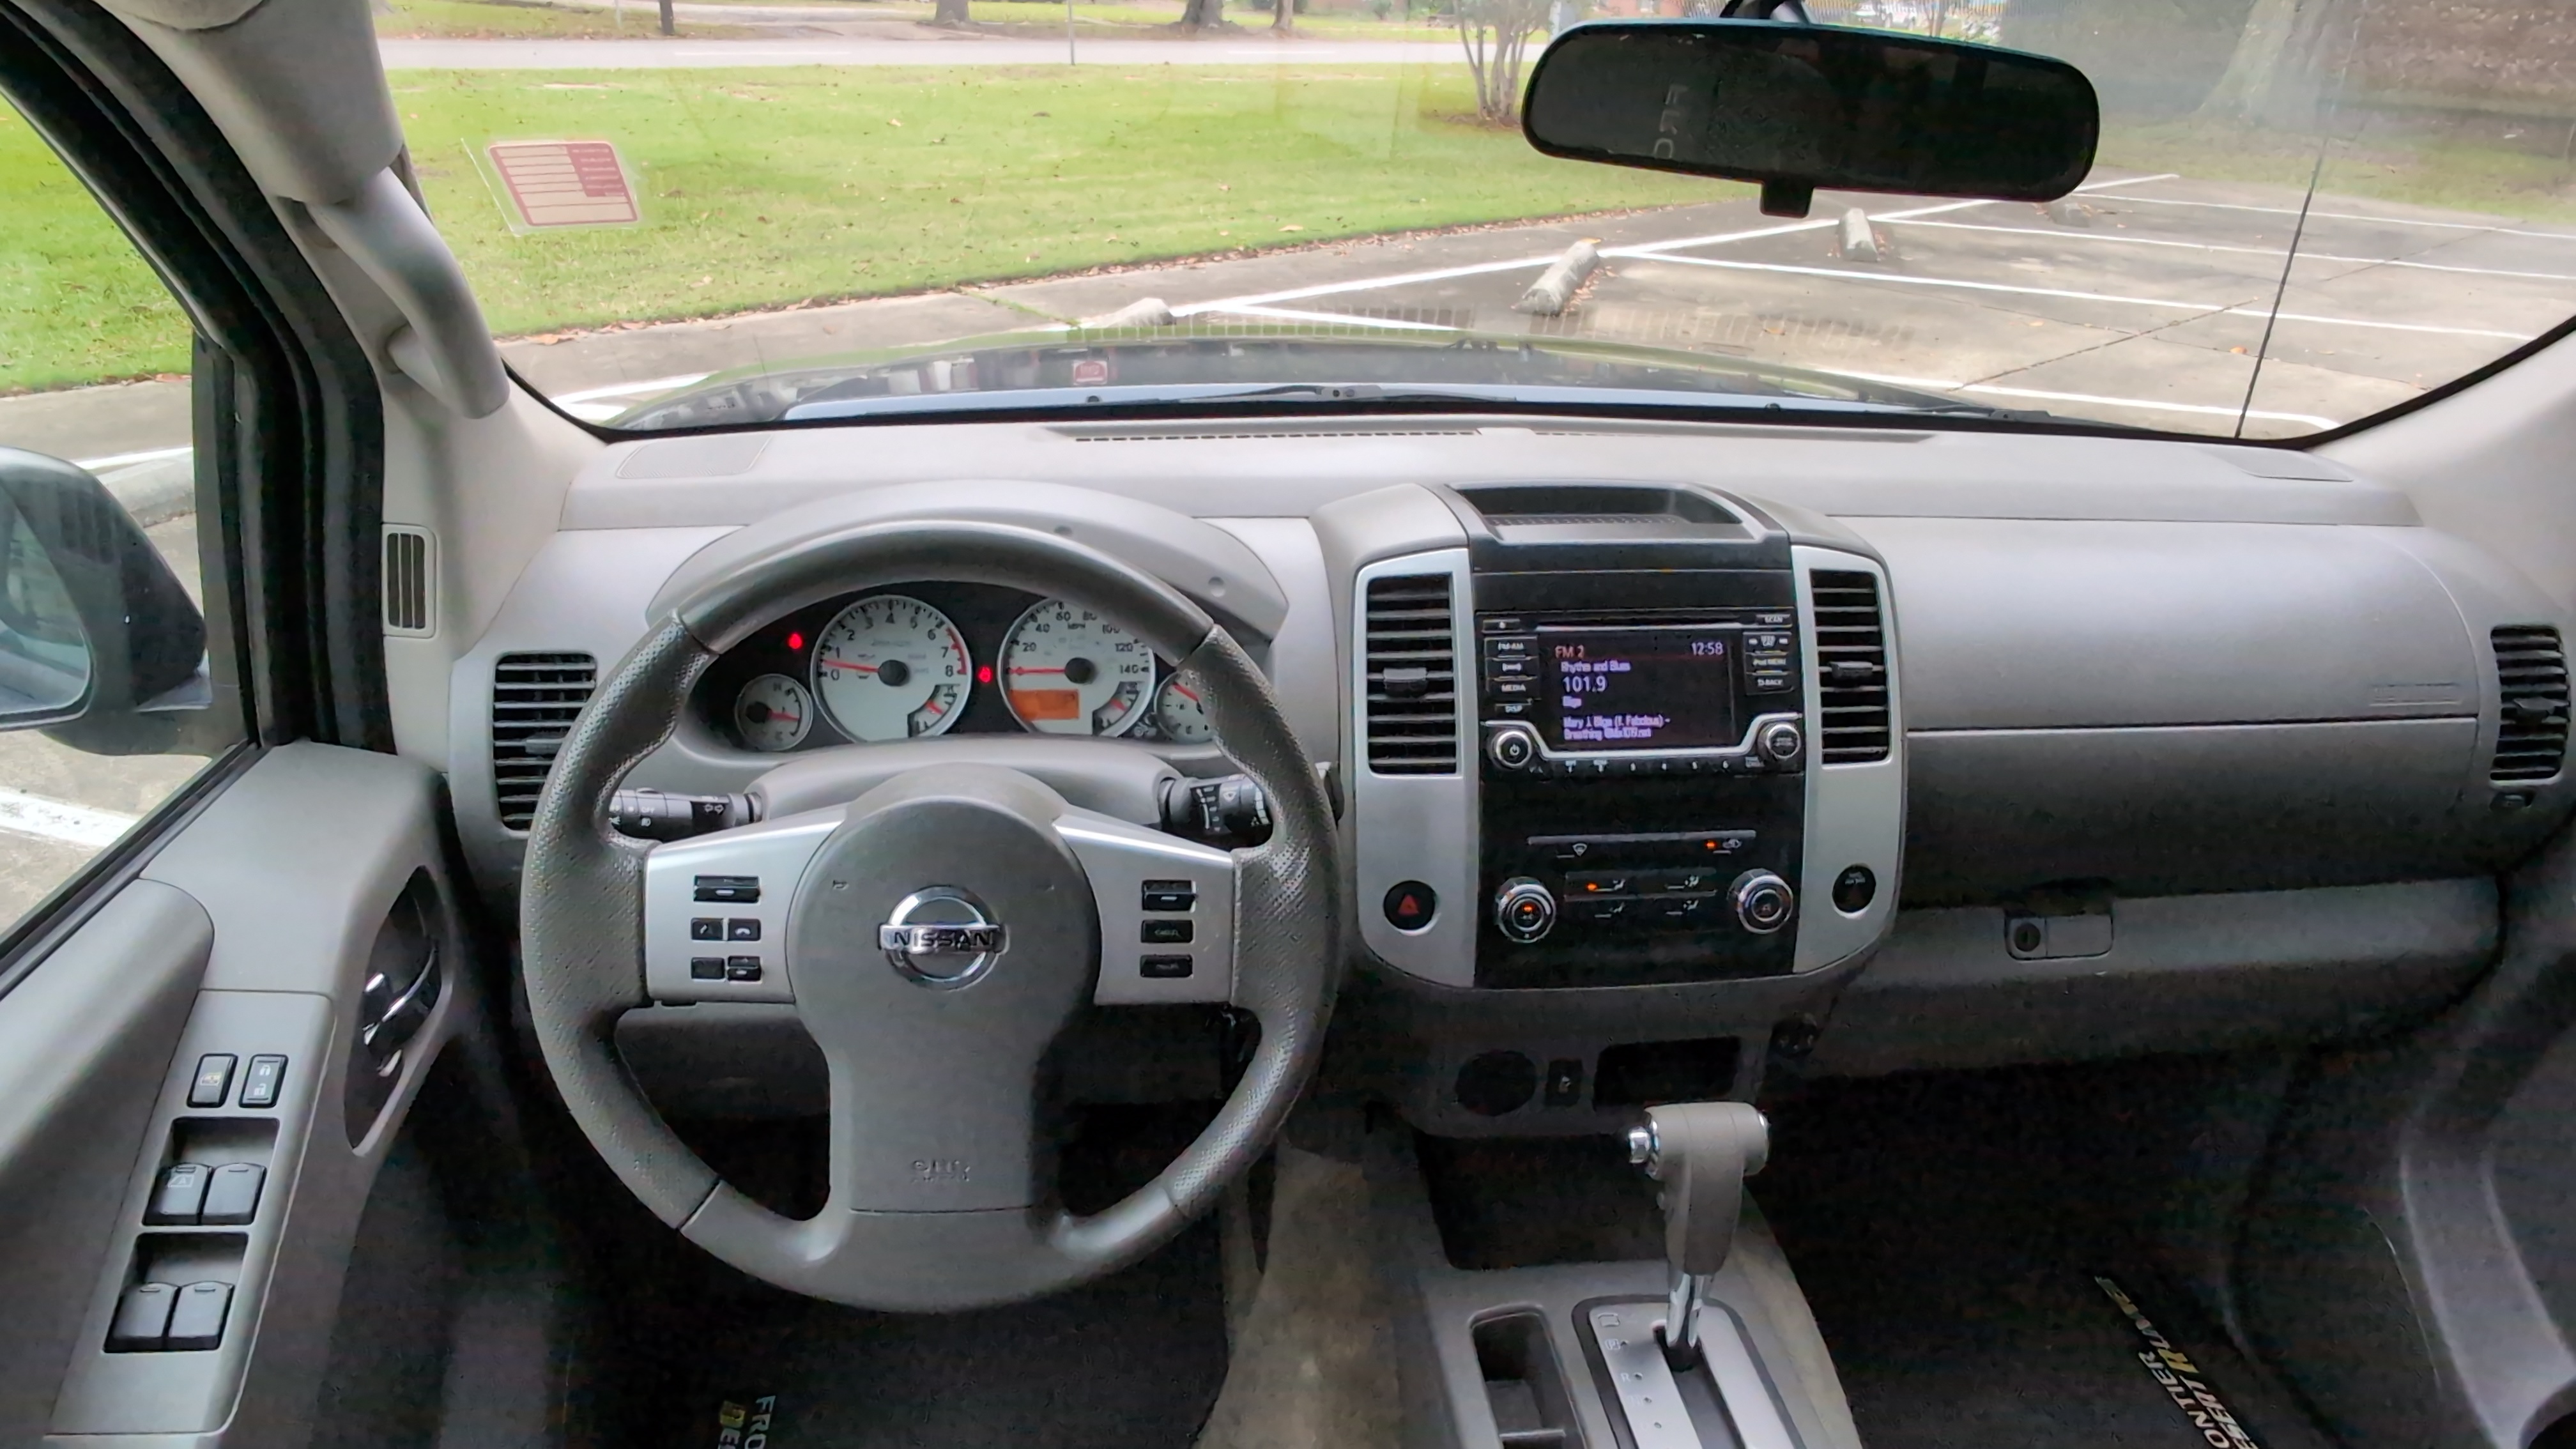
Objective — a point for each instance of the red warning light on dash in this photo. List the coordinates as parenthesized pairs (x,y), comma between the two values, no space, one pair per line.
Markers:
(795,643)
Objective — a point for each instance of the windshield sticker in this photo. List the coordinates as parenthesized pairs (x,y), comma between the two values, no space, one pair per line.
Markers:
(745,1426)
(2181,1379)
(547,185)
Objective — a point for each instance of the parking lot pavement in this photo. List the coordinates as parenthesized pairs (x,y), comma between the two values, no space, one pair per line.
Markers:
(2145,303)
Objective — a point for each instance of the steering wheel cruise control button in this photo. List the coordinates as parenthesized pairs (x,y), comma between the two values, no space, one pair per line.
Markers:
(1164,968)
(1165,933)
(1410,904)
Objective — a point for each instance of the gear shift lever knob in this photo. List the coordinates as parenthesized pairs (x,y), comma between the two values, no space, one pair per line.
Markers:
(1700,1152)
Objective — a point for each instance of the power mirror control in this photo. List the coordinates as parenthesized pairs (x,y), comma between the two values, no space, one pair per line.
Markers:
(1524,910)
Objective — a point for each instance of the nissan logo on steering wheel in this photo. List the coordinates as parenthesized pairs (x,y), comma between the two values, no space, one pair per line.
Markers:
(942,936)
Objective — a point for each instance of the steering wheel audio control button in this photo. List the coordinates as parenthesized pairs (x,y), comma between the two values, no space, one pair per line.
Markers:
(1763,901)
(1524,910)
(734,890)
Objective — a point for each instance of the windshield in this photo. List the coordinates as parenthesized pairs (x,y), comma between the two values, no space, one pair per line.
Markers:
(2304,212)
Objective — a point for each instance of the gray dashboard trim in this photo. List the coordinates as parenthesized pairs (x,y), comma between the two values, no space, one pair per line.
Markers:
(1855,813)
(1418,827)
(2016,624)
(2184,974)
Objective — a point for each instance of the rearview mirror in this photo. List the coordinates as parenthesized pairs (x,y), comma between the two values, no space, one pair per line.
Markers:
(100,645)
(1798,107)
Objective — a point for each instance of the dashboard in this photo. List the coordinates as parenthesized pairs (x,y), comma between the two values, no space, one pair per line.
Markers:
(1665,756)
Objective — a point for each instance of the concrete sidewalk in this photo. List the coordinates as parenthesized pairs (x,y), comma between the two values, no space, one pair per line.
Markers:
(937,48)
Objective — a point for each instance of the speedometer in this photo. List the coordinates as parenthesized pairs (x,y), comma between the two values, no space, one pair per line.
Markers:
(891,668)
(1068,671)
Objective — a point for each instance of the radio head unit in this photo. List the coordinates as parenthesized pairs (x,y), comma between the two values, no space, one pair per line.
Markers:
(1652,687)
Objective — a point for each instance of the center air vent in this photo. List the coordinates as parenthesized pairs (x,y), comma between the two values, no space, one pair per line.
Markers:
(2531,685)
(1412,676)
(1851,668)
(535,698)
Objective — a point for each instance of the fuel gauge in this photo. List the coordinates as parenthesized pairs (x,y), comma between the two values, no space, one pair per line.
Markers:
(773,713)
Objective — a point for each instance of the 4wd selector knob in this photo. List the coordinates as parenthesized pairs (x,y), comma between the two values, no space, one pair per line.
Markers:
(1781,741)
(1763,901)
(1512,746)
(1524,910)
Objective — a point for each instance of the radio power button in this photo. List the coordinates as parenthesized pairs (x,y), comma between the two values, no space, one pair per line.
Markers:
(1513,747)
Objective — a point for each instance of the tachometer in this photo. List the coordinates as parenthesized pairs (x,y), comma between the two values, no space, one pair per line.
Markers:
(1184,718)
(891,668)
(773,713)
(1068,671)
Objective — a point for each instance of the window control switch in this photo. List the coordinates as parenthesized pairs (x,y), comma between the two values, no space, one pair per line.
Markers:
(180,1196)
(142,1319)
(197,1318)
(232,1195)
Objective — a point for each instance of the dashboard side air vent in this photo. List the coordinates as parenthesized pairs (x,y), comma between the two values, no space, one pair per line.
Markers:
(1412,676)
(2531,685)
(407,581)
(1851,668)
(535,698)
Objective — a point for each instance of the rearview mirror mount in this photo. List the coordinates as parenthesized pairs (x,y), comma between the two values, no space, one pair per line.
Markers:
(1799,107)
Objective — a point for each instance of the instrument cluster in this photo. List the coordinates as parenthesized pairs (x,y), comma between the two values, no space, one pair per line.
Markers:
(931,659)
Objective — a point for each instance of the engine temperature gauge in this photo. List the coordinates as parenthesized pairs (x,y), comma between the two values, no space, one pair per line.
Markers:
(1182,714)
(773,713)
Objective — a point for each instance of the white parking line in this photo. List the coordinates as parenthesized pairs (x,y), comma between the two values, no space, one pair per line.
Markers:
(2342,216)
(2120,299)
(126,460)
(25,814)
(2150,241)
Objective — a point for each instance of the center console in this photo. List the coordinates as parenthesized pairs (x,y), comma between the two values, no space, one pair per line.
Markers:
(1620,736)
(1643,746)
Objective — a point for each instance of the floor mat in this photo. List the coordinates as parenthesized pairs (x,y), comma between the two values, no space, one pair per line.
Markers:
(1134,1360)
(1957,1264)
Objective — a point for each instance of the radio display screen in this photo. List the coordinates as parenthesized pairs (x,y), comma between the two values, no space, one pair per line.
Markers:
(1666,688)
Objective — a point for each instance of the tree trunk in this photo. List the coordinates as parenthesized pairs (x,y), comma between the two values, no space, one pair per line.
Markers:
(1283,19)
(1201,14)
(2244,91)
(667,27)
(952,13)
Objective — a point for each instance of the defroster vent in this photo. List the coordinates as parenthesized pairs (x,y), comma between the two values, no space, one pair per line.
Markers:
(2531,682)
(1851,668)
(535,698)
(1412,661)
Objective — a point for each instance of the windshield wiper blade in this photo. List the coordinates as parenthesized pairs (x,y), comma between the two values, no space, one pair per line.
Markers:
(1049,399)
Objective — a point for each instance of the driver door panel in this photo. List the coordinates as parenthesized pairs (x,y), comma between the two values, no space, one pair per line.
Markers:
(252,934)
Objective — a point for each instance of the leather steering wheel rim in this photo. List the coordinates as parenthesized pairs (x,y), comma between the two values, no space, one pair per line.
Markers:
(582,932)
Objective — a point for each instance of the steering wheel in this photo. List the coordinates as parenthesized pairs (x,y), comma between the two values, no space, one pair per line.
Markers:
(936,936)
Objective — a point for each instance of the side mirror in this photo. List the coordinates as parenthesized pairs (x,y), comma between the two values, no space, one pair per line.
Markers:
(1797,107)
(100,646)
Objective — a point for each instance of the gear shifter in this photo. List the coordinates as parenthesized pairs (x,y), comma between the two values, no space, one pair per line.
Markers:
(1700,1152)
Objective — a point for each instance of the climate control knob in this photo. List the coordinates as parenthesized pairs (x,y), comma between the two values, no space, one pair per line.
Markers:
(1781,741)
(1512,747)
(1524,910)
(1763,901)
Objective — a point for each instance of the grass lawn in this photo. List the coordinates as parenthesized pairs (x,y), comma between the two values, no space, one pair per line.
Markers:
(769,186)
(528,19)
(2452,175)
(76,303)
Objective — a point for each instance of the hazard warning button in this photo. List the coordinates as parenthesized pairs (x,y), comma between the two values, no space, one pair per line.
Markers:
(1409,904)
